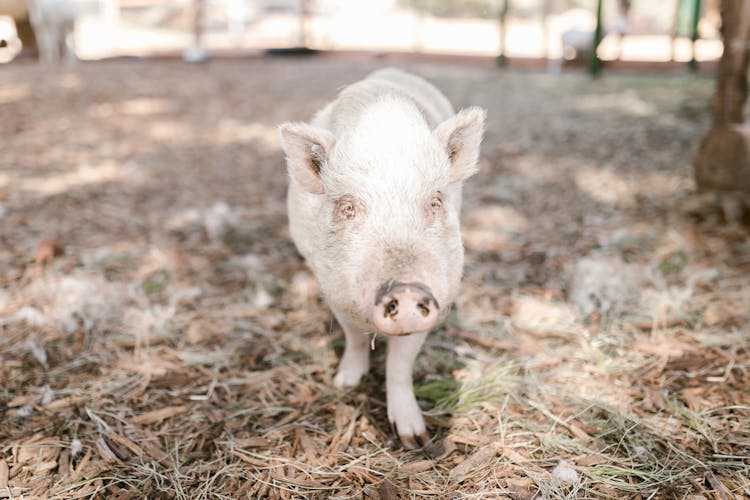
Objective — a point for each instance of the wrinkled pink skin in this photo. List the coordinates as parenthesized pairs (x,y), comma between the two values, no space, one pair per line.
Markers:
(374,202)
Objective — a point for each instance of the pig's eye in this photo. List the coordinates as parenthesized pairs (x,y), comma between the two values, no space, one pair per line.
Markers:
(345,209)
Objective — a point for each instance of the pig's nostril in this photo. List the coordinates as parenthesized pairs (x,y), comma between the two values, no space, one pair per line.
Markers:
(391,308)
(423,309)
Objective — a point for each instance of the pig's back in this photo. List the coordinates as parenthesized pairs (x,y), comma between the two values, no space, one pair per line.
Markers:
(358,97)
(433,104)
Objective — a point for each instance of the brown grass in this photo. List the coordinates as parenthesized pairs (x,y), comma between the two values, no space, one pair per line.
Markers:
(178,347)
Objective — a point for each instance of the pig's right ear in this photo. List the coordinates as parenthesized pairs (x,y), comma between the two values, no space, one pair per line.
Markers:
(461,136)
(307,150)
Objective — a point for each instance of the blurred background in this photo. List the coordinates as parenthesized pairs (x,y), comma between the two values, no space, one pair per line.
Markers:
(525,31)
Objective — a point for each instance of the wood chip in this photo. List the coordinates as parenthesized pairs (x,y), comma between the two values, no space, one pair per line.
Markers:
(668,322)
(82,464)
(42,467)
(590,460)
(153,450)
(576,430)
(469,439)
(155,416)
(63,463)
(11,492)
(4,473)
(719,489)
(148,341)
(127,443)
(340,441)
(251,442)
(479,459)
(106,452)
(300,480)
(346,438)
(418,466)
(308,446)
(47,250)
(513,455)
(250,460)
(64,403)
(521,488)
(23,400)
(486,342)
(387,491)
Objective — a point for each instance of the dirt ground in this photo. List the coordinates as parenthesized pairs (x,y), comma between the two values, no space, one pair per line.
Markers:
(161,338)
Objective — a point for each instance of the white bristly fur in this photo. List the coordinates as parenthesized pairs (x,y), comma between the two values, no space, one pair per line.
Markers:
(391,143)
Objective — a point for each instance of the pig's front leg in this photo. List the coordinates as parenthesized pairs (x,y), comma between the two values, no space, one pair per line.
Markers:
(403,410)
(356,359)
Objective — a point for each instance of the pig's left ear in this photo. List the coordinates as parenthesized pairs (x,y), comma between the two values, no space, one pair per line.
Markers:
(461,136)
(307,150)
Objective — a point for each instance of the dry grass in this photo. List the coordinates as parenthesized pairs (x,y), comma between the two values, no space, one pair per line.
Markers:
(178,347)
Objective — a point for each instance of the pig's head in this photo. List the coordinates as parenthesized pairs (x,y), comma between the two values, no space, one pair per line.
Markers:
(388,195)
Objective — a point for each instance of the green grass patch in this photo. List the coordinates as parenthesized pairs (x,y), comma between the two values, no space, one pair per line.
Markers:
(451,396)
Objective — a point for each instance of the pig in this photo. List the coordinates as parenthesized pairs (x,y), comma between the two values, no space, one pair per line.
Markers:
(373,202)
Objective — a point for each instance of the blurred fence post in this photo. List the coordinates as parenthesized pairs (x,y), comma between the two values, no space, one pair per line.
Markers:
(693,64)
(303,13)
(196,53)
(111,13)
(675,30)
(546,4)
(595,65)
(27,36)
(502,60)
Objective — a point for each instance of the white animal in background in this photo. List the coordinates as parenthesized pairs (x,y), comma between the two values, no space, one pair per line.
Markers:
(54,26)
(577,44)
(374,202)
(10,44)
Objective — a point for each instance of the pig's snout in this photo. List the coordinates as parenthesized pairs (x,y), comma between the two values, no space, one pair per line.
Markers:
(404,308)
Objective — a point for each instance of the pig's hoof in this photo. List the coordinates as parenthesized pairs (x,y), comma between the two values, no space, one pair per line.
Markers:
(409,425)
(413,442)
(347,378)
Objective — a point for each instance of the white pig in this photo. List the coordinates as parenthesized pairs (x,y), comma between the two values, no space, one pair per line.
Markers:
(54,26)
(374,202)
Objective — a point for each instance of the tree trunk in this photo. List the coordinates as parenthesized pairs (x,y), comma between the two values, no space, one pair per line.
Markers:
(27,37)
(723,160)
